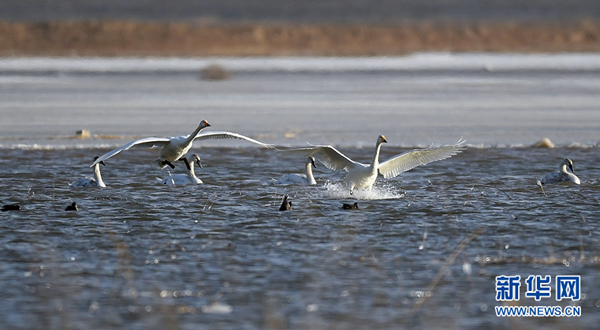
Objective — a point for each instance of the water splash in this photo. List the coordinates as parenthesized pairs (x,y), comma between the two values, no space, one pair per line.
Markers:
(339,190)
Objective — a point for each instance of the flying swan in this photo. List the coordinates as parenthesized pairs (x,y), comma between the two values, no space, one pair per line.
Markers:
(363,176)
(184,179)
(96,181)
(302,179)
(562,175)
(174,148)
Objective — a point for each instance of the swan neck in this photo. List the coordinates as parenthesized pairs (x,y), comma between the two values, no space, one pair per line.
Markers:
(191,171)
(192,174)
(375,160)
(98,176)
(563,168)
(195,133)
(309,174)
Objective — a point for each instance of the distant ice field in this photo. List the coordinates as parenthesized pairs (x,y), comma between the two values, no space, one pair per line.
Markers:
(417,100)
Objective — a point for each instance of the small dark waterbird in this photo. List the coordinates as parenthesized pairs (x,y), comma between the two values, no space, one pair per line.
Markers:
(11,207)
(72,207)
(350,206)
(285,204)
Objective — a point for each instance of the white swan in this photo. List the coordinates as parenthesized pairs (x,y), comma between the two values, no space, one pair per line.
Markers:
(301,179)
(562,175)
(96,181)
(184,179)
(174,148)
(363,176)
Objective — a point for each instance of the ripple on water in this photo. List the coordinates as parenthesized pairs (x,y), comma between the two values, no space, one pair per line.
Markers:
(226,241)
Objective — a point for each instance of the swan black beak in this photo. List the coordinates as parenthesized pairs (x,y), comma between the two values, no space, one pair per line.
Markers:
(198,162)
(102,162)
(571,167)
(313,163)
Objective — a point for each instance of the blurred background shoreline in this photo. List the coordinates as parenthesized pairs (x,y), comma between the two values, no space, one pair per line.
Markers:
(187,28)
(132,38)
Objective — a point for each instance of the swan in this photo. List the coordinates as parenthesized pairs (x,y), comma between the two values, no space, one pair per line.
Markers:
(184,179)
(302,179)
(173,148)
(562,175)
(363,176)
(96,181)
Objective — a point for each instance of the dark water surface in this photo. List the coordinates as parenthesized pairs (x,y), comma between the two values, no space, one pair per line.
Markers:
(139,255)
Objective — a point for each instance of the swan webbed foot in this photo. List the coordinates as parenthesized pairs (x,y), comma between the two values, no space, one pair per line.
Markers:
(166,162)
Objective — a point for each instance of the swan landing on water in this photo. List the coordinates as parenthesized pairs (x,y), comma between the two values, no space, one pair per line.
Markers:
(562,175)
(363,176)
(96,181)
(173,148)
(184,179)
(306,179)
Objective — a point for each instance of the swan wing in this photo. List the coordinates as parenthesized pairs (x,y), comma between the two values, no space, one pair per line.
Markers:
(555,177)
(216,135)
(147,142)
(83,182)
(328,155)
(409,160)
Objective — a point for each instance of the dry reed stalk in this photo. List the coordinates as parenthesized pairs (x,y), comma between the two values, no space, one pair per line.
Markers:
(459,249)
(539,183)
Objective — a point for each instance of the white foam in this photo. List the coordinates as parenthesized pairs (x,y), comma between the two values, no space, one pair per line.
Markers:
(379,191)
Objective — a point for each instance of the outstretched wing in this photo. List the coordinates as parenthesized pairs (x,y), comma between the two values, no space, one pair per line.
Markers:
(328,155)
(409,160)
(215,135)
(147,142)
